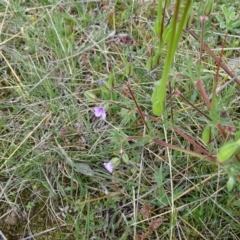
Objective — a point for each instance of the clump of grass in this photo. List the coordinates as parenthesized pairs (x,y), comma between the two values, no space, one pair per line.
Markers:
(61,60)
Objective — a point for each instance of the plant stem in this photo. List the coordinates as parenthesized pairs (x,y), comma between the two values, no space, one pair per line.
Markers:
(210,52)
(139,109)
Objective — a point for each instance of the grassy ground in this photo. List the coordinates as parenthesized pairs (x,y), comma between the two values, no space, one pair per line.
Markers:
(53,185)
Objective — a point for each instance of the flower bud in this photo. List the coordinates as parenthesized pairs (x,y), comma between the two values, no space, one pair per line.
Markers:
(208,7)
(207,134)
(227,151)
(190,20)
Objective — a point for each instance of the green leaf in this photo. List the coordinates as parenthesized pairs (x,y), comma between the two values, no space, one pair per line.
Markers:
(158,99)
(104,88)
(225,11)
(156,58)
(159,93)
(227,151)
(90,96)
(238,142)
(207,134)
(149,64)
(236,24)
(237,136)
(222,25)
(219,18)
(158,23)
(83,168)
(115,161)
(157,27)
(167,33)
(231,13)
(125,158)
(129,69)
(230,184)
(111,81)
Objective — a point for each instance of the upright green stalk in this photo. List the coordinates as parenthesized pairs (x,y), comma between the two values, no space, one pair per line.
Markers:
(159,94)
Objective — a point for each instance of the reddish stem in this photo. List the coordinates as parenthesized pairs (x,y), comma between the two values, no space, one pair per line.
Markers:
(210,52)
(188,102)
(205,96)
(194,143)
(203,93)
(160,142)
(222,130)
(139,109)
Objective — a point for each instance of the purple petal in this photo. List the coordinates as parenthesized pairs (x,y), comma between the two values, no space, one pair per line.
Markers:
(109,166)
(100,82)
(100,112)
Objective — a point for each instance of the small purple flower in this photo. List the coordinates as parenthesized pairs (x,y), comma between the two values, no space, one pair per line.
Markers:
(100,112)
(100,82)
(109,166)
